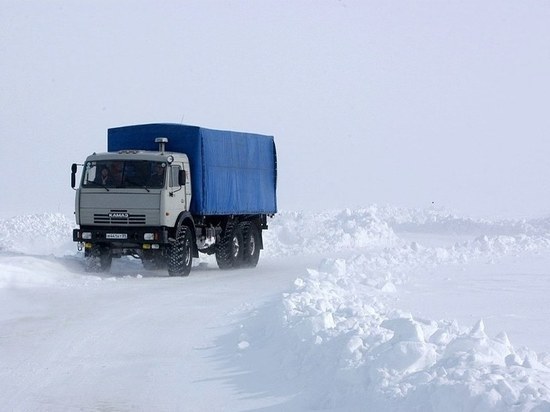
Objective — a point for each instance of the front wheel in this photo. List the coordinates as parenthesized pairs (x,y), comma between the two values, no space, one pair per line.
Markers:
(180,257)
(97,259)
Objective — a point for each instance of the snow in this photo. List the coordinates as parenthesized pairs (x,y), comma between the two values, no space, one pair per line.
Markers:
(381,308)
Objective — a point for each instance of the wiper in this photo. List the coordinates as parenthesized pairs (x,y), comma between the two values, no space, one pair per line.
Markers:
(136,184)
(91,182)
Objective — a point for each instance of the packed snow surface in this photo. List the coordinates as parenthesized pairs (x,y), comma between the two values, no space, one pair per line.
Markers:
(375,309)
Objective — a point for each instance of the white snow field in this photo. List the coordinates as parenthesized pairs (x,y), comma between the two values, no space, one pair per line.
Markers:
(379,309)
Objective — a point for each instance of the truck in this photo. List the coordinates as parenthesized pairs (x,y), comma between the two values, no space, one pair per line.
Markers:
(166,192)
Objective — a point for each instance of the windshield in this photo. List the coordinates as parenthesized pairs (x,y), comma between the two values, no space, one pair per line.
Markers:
(124,174)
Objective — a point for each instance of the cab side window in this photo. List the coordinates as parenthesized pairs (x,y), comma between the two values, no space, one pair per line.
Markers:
(90,173)
(174,172)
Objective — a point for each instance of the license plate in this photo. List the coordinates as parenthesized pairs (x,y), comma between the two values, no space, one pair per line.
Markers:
(117,236)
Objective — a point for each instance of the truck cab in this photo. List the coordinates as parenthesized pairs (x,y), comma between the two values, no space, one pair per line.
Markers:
(128,201)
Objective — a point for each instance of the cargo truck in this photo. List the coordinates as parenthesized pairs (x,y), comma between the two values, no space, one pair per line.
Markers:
(164,193)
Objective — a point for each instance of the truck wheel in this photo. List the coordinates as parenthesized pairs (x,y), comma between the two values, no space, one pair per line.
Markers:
(97,259)
(180,256)
(229,251)
(251,241)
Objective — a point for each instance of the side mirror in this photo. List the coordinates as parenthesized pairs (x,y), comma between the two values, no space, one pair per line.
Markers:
(182,177)
(73,175)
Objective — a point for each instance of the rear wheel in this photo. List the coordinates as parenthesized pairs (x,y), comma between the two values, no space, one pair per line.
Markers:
(251,242)
(229,251)
(180,256)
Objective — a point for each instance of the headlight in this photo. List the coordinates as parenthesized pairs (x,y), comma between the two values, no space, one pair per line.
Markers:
(86,235)
(149,236)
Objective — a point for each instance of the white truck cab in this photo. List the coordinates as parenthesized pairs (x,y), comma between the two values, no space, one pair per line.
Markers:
(133,188)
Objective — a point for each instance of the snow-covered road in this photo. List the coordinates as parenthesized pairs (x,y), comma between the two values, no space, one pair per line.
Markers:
(374,309)
(130,340)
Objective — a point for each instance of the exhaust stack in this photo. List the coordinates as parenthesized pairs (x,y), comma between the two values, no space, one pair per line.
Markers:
(162,143)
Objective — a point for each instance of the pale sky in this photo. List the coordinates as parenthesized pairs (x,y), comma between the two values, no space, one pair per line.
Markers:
(389,102)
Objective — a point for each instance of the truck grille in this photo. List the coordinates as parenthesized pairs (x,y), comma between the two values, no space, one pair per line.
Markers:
(119,217)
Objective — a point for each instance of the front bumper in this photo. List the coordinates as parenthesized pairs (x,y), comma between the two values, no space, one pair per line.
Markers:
(122,236)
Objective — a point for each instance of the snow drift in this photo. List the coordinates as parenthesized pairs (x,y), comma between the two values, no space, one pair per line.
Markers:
(341,321)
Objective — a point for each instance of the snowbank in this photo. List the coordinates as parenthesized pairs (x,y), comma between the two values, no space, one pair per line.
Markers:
(43,234)
(390,360)
(31,248)
(437,220)
(356,350)
(32,271)
(298,233)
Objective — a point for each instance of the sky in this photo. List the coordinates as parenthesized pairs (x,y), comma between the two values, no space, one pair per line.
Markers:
(414,104)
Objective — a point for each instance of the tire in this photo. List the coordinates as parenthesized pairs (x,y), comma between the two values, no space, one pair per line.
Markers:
(229,251)
(180,256)
(97,259)
(251,244)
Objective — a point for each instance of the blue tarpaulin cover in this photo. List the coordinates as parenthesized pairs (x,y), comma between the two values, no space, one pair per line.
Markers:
(231,172)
